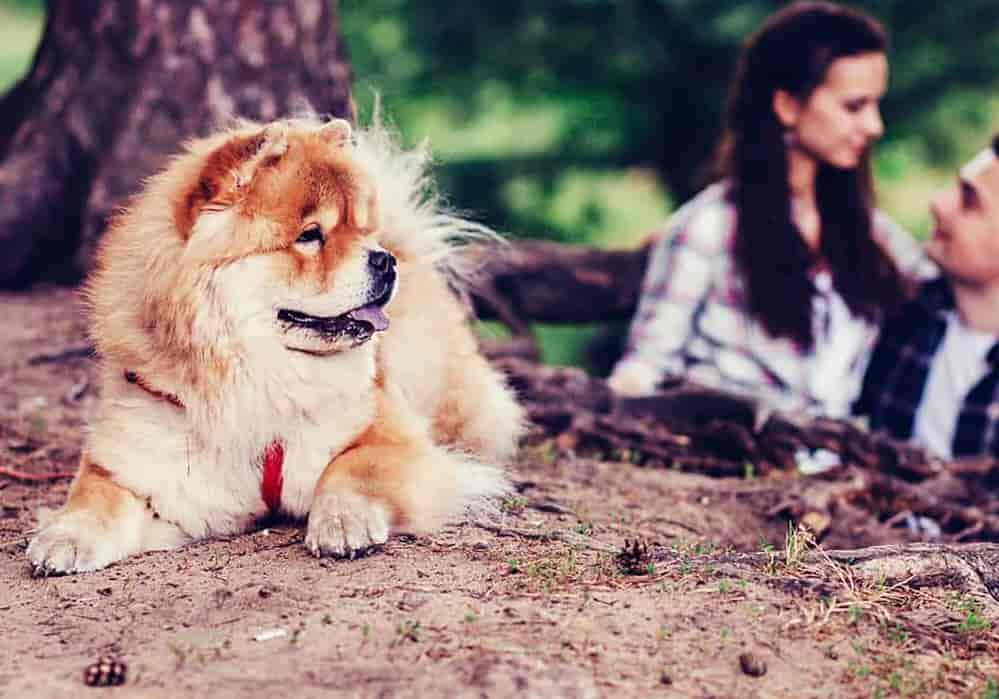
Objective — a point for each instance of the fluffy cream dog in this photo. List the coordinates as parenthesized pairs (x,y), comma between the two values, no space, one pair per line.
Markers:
(276,333)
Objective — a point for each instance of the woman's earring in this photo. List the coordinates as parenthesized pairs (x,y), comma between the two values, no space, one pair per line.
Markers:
(790,137)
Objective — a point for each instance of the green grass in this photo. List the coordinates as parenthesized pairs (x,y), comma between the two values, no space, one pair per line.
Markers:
(564,345)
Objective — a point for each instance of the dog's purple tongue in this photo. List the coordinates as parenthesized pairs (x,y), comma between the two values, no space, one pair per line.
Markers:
(371,314)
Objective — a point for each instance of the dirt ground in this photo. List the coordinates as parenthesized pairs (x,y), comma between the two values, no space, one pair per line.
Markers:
(534,602)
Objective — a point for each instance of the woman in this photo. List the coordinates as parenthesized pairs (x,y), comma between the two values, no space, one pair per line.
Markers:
(773,280)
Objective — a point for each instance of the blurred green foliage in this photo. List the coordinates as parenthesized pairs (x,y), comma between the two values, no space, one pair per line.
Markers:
(583,120)
(515,95)
(20,30)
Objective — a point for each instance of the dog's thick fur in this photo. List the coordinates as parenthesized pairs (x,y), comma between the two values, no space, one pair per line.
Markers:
(236,305)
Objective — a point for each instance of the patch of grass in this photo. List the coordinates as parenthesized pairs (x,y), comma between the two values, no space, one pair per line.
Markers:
(565,345)
(861,670)
(218,561)
(855,613)
(797,544)
(890,671)
(514,504)
(407,631)
(895,632)
(696,548)
(550,571)
(974,620)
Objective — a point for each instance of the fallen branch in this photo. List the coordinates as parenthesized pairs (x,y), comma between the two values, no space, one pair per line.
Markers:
(692,428)
(538,281)
(62,355)
(28,477)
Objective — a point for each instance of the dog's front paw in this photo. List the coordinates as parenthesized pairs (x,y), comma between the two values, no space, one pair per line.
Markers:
(346,524)
(72,542)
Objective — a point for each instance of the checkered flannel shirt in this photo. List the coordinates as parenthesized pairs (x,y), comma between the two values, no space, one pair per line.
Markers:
(693,318)
(897,375)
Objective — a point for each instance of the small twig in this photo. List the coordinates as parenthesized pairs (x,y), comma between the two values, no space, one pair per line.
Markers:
(548,506)
(68,353)
(675,523)
(16,540)
(26,477)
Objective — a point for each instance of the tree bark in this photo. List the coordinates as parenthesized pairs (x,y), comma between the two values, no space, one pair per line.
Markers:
(114,89)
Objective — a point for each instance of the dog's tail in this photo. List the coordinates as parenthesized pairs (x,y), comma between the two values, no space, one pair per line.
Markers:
(450,486)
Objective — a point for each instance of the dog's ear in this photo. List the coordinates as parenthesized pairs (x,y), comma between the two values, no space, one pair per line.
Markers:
(337,132)
(362,209)
(227,173)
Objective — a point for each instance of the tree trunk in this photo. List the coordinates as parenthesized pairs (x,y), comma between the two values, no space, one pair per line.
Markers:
(114,89)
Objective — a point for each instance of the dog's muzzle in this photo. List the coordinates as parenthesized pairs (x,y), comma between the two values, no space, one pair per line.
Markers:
(359,323)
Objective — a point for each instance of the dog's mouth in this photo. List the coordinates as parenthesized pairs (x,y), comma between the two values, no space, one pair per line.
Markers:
(359,323)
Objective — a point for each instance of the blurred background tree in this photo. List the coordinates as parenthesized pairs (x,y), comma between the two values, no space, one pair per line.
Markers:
(117,85)
(585,120)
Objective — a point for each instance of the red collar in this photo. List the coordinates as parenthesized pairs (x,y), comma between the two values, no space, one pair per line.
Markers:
(273,459)
(270,484)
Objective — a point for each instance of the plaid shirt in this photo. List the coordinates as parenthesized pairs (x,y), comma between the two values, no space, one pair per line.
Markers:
(693,318)
(897,375)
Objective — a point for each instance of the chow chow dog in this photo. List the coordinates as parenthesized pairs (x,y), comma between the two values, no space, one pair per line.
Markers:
(278,332)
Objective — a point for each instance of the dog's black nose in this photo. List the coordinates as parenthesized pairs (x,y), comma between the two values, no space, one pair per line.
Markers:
(380,261)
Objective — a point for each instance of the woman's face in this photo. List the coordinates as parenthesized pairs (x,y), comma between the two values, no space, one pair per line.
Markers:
(837,122)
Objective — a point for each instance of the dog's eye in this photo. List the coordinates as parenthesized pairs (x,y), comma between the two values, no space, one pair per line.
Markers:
(312,234)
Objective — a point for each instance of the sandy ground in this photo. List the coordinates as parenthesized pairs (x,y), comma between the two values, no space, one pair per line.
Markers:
(534,602)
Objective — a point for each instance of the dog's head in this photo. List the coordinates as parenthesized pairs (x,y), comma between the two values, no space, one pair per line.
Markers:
(283,216)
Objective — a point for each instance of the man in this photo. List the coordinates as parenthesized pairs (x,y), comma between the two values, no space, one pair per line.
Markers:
(934,375)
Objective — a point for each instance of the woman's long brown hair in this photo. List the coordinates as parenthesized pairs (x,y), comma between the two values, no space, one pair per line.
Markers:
(793,52)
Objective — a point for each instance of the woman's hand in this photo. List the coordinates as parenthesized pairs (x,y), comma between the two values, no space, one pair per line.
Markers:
(631,378)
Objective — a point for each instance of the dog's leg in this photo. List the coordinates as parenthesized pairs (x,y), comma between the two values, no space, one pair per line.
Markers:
(100,523)
(393,477)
